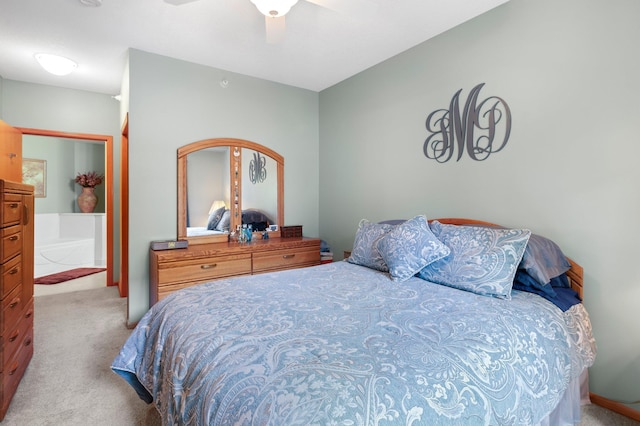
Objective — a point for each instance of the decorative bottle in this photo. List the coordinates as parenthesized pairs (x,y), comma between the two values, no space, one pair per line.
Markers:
(249,233)
(242,236)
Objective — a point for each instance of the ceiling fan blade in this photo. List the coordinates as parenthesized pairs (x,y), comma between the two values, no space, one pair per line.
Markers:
(347,7)
(179,2)
(275,28)
(335,5)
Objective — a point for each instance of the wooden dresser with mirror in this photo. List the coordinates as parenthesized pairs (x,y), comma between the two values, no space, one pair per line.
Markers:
(224,184)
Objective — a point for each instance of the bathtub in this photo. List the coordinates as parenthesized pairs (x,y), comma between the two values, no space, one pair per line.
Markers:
(66,241)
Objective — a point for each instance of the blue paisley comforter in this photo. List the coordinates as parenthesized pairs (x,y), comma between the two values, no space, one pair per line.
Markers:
(340,344)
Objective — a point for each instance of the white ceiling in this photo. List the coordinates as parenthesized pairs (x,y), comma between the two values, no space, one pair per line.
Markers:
(323,45)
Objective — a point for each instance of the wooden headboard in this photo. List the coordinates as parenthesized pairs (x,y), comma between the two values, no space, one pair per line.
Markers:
(575,274)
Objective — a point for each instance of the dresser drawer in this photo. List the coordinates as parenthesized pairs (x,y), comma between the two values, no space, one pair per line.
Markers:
(10,275)
(12,307)
(11,209)
(19,337)
(14,370)
(285,259)
(202,270)
(11,242)
(166,290)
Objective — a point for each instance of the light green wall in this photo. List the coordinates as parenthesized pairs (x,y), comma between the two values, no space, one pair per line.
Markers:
(569,72)
(65,158)
(43,107)
(172,103)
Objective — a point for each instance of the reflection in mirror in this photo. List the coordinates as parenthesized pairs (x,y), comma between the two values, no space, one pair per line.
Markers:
(259,190)
(228,182)
(207,190)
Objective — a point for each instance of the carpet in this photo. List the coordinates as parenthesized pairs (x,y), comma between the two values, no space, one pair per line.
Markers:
(71,274)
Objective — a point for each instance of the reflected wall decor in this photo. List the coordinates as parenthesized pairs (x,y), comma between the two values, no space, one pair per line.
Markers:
(257,168)
(34,172)
(480,128)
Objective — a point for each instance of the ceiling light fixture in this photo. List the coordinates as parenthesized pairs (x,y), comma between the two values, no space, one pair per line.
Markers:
(55,64)
(274,8)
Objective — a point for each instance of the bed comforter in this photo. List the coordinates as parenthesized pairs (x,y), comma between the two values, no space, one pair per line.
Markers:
(341,344)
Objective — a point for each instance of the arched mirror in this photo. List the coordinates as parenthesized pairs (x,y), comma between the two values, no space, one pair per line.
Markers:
(223,183)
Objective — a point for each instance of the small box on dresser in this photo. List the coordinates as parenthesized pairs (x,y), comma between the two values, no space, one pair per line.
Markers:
(16,286)
(291,231)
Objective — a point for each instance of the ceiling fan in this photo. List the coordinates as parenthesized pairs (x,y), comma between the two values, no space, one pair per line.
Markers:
(274,12)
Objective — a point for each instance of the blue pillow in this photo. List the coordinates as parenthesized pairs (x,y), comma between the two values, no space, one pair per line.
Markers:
(561,281)
(483,260)
(525,282)
(543,259)
(409,247)
(225,222)
(364,252)
(214,218)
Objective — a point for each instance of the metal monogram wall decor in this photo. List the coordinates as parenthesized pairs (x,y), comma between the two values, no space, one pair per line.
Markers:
(481,128)
(257,168)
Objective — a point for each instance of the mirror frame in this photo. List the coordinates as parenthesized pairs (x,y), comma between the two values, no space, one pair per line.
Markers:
(235,161)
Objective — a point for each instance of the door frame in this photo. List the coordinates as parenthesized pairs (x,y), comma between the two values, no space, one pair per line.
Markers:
(123,282)
(108,145)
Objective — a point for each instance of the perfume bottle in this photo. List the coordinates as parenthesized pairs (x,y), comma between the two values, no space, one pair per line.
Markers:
(249,233)
(242,235)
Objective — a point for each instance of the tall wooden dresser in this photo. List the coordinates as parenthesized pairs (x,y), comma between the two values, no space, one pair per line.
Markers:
(16,287)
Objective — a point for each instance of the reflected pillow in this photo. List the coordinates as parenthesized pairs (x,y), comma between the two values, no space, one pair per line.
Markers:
(364,250)
(214,218)
(225,222)
(258,226)
(483,260)
(254,215)
(409,247)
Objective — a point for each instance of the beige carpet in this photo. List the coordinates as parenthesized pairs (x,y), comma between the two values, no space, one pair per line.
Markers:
(69,381)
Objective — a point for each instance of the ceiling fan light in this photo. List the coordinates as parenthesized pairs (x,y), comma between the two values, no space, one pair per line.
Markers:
(55,64)
(274,8)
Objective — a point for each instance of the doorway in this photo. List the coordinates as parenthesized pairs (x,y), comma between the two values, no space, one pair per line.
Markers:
(108,184)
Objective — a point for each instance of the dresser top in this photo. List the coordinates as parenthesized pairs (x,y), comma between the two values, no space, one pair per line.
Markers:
(196,251)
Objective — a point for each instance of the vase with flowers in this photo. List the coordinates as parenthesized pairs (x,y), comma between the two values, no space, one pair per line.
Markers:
(87,199)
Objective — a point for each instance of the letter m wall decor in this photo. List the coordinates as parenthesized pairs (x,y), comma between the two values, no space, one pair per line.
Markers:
(480,128)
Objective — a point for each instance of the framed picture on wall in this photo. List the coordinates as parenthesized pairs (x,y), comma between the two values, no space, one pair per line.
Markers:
(34,172)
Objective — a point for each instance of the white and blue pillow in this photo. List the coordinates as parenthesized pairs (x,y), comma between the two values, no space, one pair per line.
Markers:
(482,260)
(365,252)
(409,247)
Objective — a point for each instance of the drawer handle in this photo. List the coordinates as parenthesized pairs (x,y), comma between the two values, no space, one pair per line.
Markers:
(14,302)
(28,314)
(14,337)
(288,256)
(13,238)
(27,342)
(211,266)
(13,271)
(13,205)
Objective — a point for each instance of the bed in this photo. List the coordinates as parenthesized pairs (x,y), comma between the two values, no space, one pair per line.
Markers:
(351,344)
